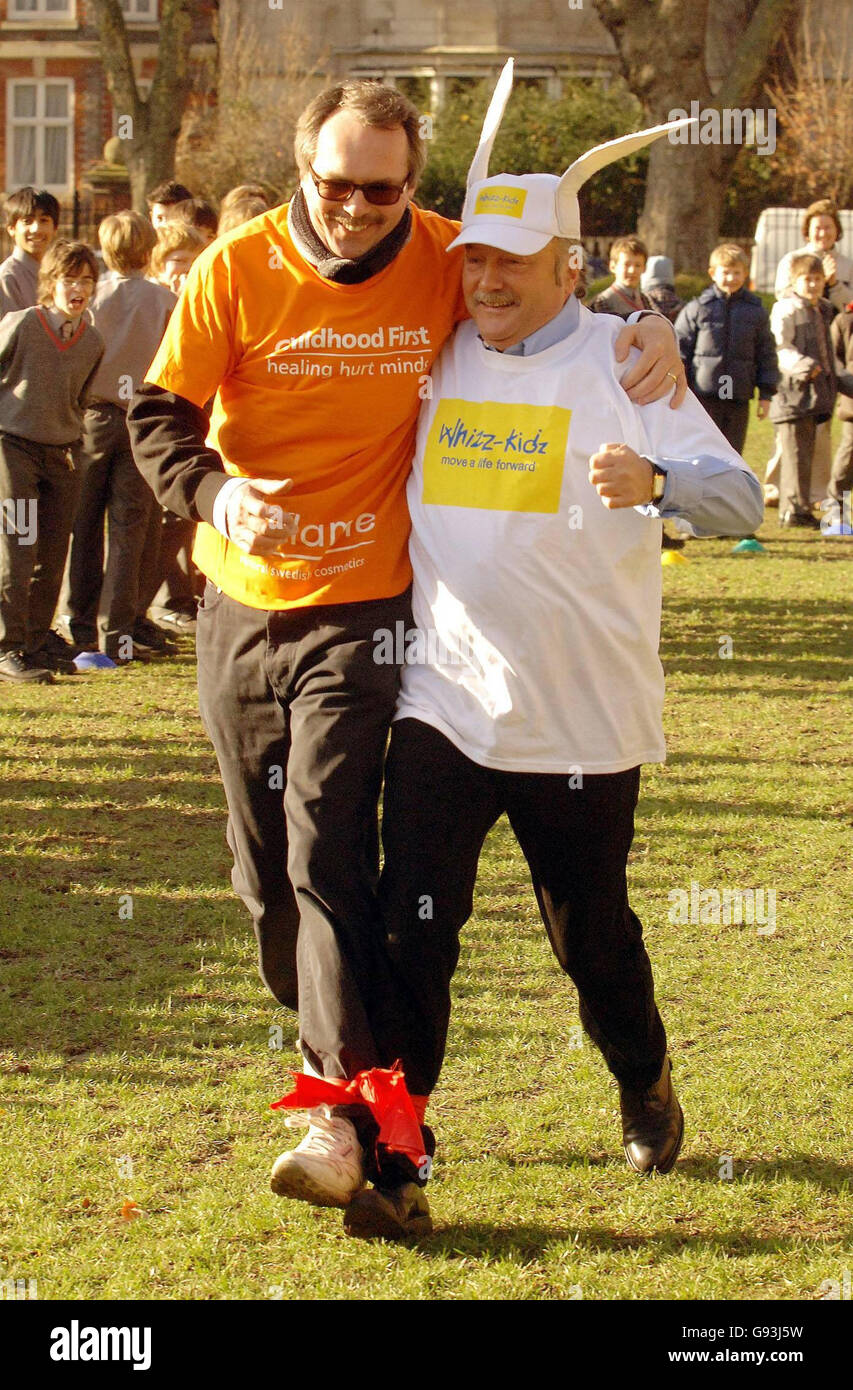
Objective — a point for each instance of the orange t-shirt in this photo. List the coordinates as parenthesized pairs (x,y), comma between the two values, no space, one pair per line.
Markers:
(319,382)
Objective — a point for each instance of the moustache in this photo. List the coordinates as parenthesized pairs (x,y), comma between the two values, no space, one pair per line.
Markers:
(356,226)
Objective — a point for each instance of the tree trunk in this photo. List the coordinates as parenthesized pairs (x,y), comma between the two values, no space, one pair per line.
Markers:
(152,130)
(662,52)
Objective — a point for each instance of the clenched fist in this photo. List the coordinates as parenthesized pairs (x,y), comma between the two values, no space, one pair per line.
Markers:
(621,477)
(256,525)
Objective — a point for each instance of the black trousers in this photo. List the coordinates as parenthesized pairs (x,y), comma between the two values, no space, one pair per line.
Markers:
(438,808)
(168,576)
(43,480)
(113,487)
(298,712)
(731,419)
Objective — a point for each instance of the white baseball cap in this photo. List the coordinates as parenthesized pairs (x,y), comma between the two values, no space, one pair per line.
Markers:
(520,213)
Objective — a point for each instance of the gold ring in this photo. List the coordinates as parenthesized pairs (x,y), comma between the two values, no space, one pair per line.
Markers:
(674,377)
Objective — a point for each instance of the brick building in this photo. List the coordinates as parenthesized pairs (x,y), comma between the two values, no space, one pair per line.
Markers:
(56,105)
(58,112)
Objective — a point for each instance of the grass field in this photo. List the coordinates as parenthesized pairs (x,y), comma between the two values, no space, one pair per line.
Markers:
(137,1065)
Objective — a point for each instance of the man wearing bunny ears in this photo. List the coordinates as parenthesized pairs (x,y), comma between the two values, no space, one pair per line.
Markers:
(313,328)
(533,684)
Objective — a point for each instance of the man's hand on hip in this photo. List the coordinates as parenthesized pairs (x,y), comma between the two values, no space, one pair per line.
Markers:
(621,477)
(659,369)
(255,524)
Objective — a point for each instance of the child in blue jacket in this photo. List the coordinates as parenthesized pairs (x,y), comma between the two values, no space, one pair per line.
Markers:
(727,347)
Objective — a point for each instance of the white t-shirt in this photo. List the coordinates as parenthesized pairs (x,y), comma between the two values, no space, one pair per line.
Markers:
(538,608)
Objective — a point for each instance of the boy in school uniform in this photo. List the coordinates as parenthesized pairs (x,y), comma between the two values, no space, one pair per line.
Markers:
(31,218)
(624,297)
(131,313)
(166,570)
(48,356)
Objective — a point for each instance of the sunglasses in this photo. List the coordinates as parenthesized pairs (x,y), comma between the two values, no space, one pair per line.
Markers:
(338,190)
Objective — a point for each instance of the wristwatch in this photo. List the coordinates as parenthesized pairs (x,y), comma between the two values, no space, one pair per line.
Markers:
(658,481)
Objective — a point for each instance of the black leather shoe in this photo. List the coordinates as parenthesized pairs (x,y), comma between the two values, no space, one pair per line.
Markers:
(147,637)
(652,1124)
(392,1212)
(55,654)
(174,621)
(15,666)
(798,518)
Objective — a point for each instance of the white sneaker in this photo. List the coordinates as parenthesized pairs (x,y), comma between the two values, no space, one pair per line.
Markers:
(326,1168)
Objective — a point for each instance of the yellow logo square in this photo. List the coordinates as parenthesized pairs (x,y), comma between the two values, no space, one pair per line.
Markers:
(499,457)
(502,199)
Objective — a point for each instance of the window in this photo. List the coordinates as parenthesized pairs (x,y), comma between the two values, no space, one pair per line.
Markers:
(43,9)
(40,133)
(140,10)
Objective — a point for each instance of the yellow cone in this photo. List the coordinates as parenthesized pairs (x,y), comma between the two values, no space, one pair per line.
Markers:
(673,557)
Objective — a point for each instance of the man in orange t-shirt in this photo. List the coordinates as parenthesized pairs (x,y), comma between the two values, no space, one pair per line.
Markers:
(314,328)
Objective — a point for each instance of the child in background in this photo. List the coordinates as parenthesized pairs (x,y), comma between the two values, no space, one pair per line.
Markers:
(177,246)
(48,357)
(241,204)
(131,314)
(808,383)
(162,199)
(198,213)
(657,285)
(165,586)
(624,297)
(31,219)
(727,347)
(841,335)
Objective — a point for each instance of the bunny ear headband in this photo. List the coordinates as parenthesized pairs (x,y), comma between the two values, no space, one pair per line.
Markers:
(521,213)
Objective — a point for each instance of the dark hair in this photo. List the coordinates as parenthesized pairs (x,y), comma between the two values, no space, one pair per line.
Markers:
(374,104)
(167,193)
(824,207)
(24,202)
(63,258)
(198,212)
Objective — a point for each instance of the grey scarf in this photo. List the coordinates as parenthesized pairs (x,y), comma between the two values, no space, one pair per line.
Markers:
(333,267)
